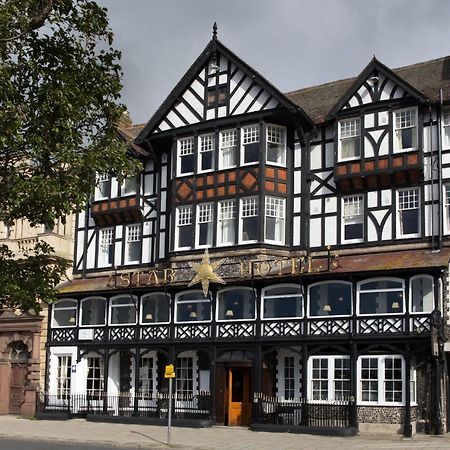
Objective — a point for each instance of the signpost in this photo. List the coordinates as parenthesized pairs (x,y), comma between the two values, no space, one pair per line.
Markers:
(169,373)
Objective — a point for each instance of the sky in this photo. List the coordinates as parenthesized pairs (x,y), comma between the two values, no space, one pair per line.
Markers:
(292,43)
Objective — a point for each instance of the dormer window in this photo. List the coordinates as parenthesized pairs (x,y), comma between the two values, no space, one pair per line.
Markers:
(250,144)
(206,153)
(276,145)
(186,157)
(349,139)
(405,129)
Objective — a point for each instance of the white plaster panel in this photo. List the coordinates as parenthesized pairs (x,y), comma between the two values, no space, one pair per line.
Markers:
(210,114)
(223,66)
(371,231)
(315,236)
(272,104)
(353,102)
(329,132)
(383,118)
(174,119)
(163,126)
(259,102)
(315,206)
(79,249)
(247,100)
(369,120)
(428,219)
(194,102)
(222,111)
(297,156)
(162,243)
(198,88)
(148,184)
(81,219)
(118,253)
(119,231)
(146,246)
(386,233)
(149,165)
(399,93)
(446,172)
(297,204)
(386,197)
(364,94)
(329,154)
(163,205)
(296,230)
(384,146)
(330,204)
(297,182)
(162,221)
(240,91)
(368,148)
(90,257)
(372,199)
(387,90)
(316,157)
(114,187)
(446,158)
(330,230)
(211,81)
(223,77)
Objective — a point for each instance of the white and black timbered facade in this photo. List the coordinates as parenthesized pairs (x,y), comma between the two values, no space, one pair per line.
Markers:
(321,219)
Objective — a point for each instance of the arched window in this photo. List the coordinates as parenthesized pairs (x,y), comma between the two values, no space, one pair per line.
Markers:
(93,311)
(236,304)
(330,298)
(155,308)
(421,293)
(192,306)
(381,296)
(64,313)
(281,301)
(123,310)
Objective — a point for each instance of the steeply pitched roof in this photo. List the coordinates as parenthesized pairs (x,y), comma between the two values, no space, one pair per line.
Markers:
(426,77)
(128,134)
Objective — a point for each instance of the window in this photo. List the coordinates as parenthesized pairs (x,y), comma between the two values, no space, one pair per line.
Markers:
(330,378)
(446,128)
(192,306)
(93,311)
(133,244)
(381,296)
(405,132)
(275,224)
(146,376)
(64,313)
(186,156)
(155,308)
(281,302)
(276,145)
(106,253)
(353,218)
(206,153)
(447,207)
(250,144)
(349,145)
(331,298)
(205,225)
(217,96)
(63,377)
(184,238)
(289,378)
(103,188)
(94,379)
(236,304)
(227,223)
(408,212)
(130,186)
(228,149)
(421,293)
(249,219)
(184,372)
(123,310)
(381,379)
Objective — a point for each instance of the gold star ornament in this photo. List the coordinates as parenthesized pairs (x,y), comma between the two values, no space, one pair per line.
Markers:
(205,273)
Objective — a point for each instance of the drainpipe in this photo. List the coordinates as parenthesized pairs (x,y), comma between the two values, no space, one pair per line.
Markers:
(432,176)
(439,126)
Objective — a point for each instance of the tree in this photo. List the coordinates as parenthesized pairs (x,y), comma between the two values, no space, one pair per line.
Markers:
(59,92)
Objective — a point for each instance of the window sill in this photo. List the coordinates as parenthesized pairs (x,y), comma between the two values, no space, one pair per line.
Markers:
(271,163)
(404,150)
(353,158)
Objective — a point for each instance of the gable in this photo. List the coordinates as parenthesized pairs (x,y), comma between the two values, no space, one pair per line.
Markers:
(238,93)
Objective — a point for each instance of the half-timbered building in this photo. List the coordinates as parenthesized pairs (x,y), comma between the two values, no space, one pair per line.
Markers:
(288,253)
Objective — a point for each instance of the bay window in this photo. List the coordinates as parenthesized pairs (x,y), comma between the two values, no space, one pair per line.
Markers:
(408,212)
(330,298)
(184,237)
(186,157)
(381,296)
(405,129)
(349,139)
(205,224)
(249,219)
(192,306)
(281,302)
(155,308)
(227,223)
(93,311)
(353,218)
(122,310)
(64,313)
(250,152)
(236,304)
(133,244)
(228,149)
(421,291)
(206,153)
(276,145)
(275,220)
(329,378)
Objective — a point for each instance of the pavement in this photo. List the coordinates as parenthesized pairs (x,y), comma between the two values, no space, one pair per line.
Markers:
(88,434)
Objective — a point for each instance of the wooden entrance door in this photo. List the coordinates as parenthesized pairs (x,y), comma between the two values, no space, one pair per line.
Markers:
(239,402)
(17,388)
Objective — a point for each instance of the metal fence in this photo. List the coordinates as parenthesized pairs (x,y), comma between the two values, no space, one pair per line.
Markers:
(304,412)
(187,406)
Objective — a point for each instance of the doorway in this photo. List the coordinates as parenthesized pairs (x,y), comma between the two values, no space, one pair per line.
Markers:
(19,372)
(239,398)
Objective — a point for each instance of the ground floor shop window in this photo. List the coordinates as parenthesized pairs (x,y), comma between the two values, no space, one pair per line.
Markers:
(185,376)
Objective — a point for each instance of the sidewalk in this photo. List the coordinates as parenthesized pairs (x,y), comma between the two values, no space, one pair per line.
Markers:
(220,438)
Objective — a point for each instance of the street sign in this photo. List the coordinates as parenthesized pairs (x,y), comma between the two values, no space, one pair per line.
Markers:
(169,372)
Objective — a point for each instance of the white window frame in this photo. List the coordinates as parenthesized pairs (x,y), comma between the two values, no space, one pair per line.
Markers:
(102,178)
(179,155)
(331,391)
(211,138)
(101,378)
(63,379)
(222,134)
(411,293)
(357,120)
(401,235)
(241,224)
(103,247)
(234,319)
(381,380)
(446,207)
(65,308)
(202,299)
(258,134)
(282,354)
(177,226)
(141,310)
(352,219)
(278,206)
(144,396)
(127,241)
(111,306)
(123,186)
(97,298)
(271,137)
(445,125)
(369,280)
(230,211)
(193,356)
(395,128)
(348,283)
(204,218)
(283,285)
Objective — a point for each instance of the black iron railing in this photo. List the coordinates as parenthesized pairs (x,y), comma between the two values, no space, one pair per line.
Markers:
(304,412)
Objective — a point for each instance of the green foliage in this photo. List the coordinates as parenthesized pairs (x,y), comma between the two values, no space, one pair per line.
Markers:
(59,92)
